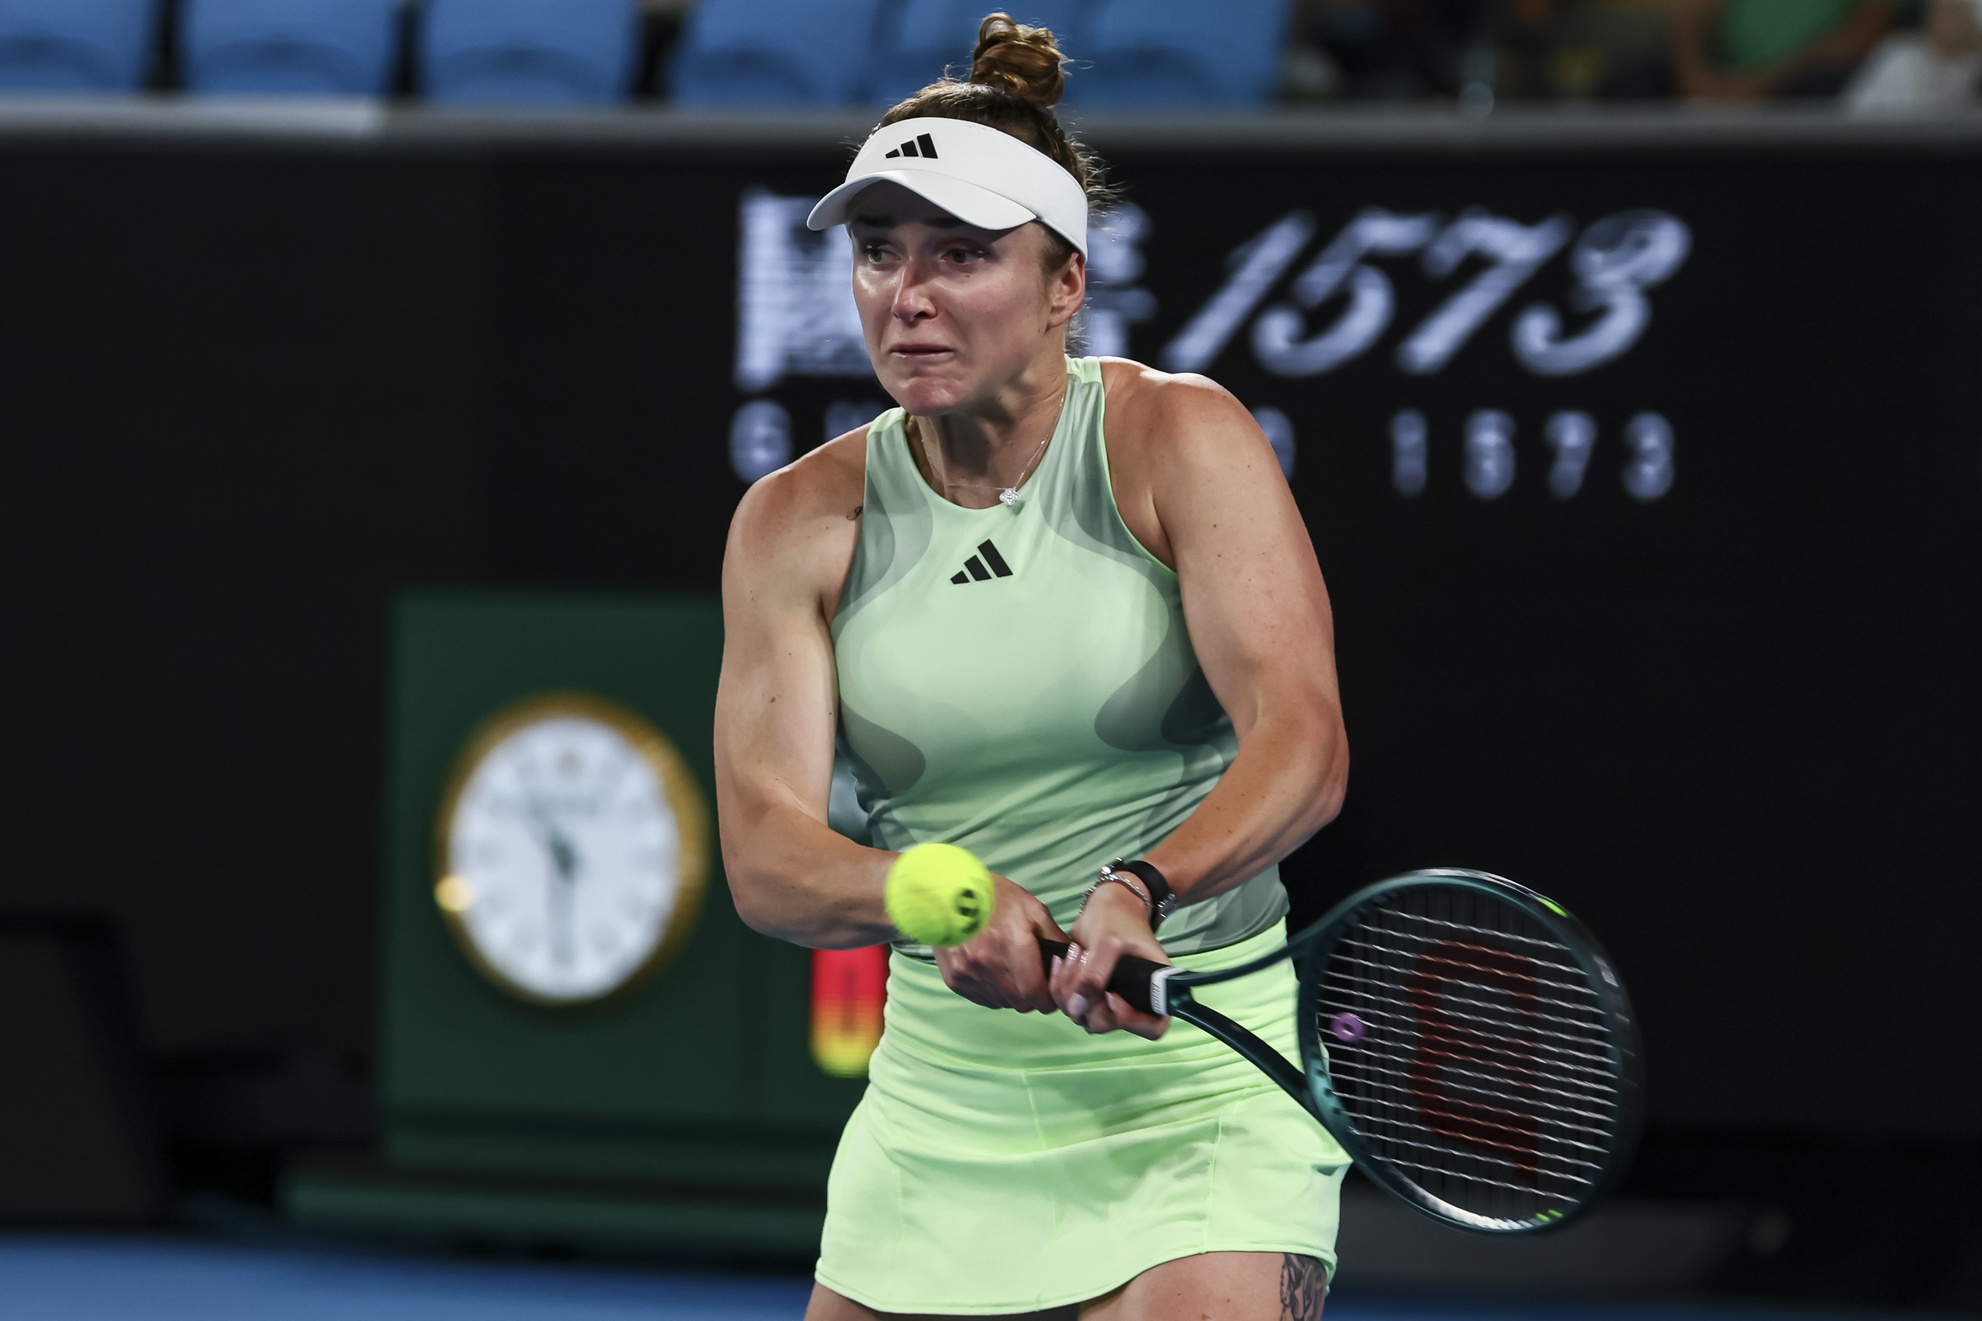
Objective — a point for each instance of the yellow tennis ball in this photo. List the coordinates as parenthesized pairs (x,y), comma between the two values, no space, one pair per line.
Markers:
(939,894)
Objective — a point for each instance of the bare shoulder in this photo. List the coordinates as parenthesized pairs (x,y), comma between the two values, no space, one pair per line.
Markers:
(1175,418)
(800,523)
(1182,449)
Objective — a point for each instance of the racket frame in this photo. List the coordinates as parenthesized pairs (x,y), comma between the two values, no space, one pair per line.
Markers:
(1312,949)
(1162,989)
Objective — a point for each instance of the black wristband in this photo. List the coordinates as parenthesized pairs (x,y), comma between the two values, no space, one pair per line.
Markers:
(1162,899)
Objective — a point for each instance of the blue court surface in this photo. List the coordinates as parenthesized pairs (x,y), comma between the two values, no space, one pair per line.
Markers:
(137,1278)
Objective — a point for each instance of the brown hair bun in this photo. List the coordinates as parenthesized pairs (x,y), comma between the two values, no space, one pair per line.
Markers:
(1015,80)
(1018,59)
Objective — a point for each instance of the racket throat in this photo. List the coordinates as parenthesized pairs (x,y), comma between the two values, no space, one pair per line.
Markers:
(1292,1079)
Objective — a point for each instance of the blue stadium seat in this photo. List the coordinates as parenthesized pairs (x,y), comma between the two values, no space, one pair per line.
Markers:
(76,45)
(535,51)
(1179,52)
(289,47)
(773,52)
(915,39)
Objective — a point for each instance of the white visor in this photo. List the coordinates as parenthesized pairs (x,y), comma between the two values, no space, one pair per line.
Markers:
(983,176)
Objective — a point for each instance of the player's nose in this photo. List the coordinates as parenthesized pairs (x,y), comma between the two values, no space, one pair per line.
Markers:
(912,299)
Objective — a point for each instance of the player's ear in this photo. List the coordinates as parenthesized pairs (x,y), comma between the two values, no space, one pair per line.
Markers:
(1067,289)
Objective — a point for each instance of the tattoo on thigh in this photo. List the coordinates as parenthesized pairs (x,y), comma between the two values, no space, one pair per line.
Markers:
(1303,1288)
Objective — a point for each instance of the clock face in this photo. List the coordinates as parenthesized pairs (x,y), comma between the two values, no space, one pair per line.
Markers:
(573,845)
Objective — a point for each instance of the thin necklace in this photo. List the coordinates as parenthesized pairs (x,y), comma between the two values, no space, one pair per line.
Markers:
(1008,496)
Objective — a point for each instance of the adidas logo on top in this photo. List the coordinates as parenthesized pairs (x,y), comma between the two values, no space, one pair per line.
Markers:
(975,570)
(919,145)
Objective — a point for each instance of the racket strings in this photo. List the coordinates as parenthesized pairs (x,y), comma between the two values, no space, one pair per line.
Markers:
(1511,1048)
(1376,978)
(1600,1126)
(1505,939)
(1471,1053)
(1461,1078)
(1468,1176)
(1464,1074)
(1566,985)
(1487,1022)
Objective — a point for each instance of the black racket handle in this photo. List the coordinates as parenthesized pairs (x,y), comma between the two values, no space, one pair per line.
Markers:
(1130,980)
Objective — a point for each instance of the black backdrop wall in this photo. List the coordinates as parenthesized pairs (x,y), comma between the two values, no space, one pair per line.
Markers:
(1645,478)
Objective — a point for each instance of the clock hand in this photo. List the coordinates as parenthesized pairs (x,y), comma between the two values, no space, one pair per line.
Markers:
(563,856)
(558,895)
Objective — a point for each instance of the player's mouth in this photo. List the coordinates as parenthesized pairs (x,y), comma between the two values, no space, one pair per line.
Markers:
(922,352)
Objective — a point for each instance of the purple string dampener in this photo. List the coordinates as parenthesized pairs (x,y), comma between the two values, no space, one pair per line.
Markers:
(1348,1028)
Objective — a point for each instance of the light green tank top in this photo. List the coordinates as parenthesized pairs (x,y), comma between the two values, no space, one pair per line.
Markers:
(1020,681)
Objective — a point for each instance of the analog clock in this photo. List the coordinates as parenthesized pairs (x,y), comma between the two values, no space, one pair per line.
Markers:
(573,844)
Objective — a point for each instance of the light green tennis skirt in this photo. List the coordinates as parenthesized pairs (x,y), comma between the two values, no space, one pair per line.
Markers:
(1004,1162)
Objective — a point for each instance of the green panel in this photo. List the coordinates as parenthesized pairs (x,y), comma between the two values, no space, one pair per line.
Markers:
(530,1216)
(716,1040)
(732,1160)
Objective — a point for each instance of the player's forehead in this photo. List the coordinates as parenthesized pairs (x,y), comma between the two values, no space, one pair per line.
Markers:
(889,208)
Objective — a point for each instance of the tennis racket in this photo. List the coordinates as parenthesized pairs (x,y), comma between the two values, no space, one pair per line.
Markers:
(1464,1039)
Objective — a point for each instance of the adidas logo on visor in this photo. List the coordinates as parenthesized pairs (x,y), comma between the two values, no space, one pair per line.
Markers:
(974,569)
(1010,182)
(919,145)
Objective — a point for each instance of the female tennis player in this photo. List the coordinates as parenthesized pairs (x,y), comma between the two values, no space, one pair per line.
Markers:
(1062,612)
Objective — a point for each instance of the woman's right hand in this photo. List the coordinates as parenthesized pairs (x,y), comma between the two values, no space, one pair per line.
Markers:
(1000,967)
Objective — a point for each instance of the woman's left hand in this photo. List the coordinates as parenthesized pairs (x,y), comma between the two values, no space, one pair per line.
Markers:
(1114,922)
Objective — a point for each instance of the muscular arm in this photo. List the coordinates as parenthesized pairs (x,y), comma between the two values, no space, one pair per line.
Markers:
(1260,622)
(792,876)
(1211,500)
